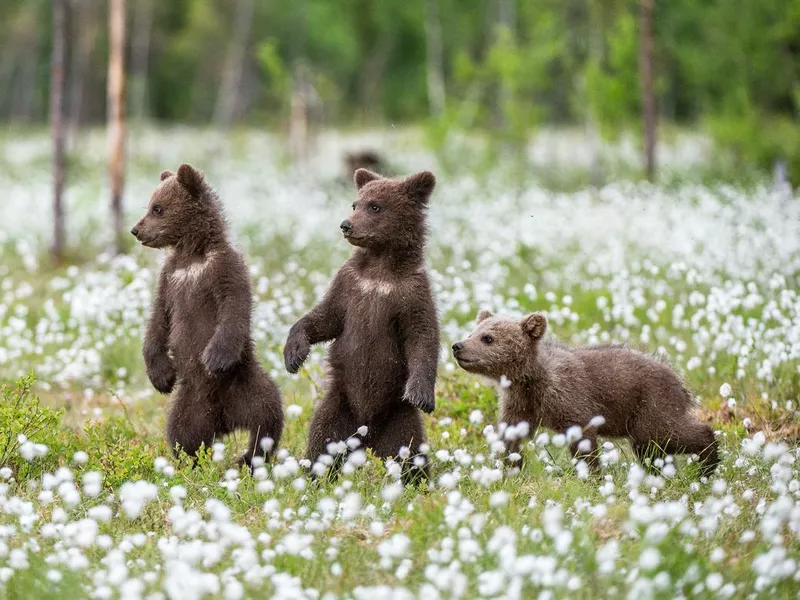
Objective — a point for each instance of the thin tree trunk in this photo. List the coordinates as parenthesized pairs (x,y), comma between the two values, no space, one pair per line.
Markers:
(140,57)
(596,50)
(57,123)
(434,59)
(298,118)
(234,64)
(28,84)
(648,92)
(116,114)
(86,32)
(506,20)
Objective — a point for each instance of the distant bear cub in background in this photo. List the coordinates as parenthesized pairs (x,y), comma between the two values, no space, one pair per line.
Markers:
(559,386)
(198,335)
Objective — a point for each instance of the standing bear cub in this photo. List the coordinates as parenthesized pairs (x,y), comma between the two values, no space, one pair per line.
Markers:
(550,384)
(198,336)
(380,312)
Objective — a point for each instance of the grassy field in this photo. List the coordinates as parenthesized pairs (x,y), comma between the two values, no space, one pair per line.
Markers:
(90,505)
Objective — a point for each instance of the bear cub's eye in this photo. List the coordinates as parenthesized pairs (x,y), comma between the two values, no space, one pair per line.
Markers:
(374,208)
(487,339)
(157,210)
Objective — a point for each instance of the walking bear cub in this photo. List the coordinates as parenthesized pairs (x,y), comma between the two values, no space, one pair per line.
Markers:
(198,336)
(550,384)
(380,312)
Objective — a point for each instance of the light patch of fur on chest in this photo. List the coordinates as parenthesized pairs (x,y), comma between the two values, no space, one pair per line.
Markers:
(192,273)
(376,286)
(381,287)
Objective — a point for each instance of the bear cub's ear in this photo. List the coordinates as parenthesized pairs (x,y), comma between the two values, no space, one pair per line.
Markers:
(534,325)
(420,186)
(191,179)
(363,176)
(166,175)
(483,315)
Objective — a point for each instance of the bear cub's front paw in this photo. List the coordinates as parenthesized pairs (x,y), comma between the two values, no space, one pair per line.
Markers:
(295,351)
(217,360)
(162,375)
(420,396)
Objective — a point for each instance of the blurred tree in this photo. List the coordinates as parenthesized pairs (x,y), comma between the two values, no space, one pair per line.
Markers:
(58,61)
(234,64)
(648,92)
(729,65)
(140,57)
(434,58)
(116,115)
(83,29)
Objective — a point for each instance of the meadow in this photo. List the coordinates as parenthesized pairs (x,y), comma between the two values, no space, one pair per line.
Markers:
(706,275)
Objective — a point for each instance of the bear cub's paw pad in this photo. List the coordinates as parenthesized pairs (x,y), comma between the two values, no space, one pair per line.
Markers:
(295,352)
(423,399)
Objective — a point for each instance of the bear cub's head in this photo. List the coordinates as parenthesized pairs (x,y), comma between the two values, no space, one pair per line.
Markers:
(500,346)
(182,206)
(388,213)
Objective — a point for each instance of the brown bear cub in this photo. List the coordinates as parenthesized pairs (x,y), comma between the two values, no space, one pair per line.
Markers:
(547,383)
(198,335)
(380,312)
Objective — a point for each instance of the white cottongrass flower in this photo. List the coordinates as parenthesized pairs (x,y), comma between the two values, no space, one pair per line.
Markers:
(498,499)
(476,417)
(597,421)
(134,495)
(649,559)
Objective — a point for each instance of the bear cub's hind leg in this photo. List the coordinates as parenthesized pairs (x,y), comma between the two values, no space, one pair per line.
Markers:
(192,422)
(253,403)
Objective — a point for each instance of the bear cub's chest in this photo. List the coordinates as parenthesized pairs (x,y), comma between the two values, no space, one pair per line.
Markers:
(190,286)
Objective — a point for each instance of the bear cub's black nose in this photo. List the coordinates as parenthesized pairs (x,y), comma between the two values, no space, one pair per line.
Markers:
(346,226)
(457,346)
(135,231)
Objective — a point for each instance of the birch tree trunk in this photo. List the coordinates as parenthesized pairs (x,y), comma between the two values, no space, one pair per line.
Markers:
(434,58)
(140,57)
(234,65)
(298,118)
(85,30)
(57,124)
(507,19)
(648,92)
(116,114)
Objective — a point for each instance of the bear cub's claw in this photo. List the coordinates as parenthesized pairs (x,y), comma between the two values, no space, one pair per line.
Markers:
(295,351)
(423,399)
(162,375)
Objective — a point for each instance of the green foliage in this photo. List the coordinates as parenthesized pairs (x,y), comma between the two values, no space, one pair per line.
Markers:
(23,418)
(754,138)
(733,65)
(119,452)
(612,86)
(279,81)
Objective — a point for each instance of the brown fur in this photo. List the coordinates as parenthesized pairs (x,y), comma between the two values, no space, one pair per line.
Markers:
(380,313)
(198,335)
(363,159)
(560,386)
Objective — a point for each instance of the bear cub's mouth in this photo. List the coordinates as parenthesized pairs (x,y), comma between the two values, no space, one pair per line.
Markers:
(352,238)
